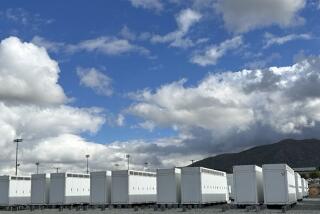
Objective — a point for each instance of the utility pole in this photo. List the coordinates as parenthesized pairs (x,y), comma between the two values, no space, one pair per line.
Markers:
(17,141)
(128,158)
(37,164)
(87,157)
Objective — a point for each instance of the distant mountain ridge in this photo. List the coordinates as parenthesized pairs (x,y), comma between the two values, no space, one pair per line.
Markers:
(296,153)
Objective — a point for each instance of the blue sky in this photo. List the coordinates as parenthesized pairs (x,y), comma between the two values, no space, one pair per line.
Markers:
(129,59)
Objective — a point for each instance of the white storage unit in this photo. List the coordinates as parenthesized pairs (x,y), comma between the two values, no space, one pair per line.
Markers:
(230,186)
(299,191)
(201,186)
(100,187)
(305,188)
(169,186)
(15,190)
(133,187)
(69,188)
(248,183)
(40,189)
(278,184)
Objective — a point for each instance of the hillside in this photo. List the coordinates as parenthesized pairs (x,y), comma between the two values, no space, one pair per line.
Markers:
(296,153)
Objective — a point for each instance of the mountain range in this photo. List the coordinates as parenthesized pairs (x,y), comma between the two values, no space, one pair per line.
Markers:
(295,153)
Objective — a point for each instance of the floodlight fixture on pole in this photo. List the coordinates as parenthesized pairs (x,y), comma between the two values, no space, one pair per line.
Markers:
(17,141)
(37,164)
(146,166)
(87,157)
(128,158)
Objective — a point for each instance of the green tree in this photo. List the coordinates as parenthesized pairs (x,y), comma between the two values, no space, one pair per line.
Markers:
(315,174)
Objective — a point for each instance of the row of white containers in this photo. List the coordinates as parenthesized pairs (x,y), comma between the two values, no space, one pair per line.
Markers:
(273,184)
(189,185)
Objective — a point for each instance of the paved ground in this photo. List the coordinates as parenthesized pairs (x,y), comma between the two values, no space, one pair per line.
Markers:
(309,205)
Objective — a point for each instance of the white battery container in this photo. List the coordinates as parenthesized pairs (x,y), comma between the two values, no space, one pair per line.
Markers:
(248,185)
(133,187)
(69,188)
(169,186)
(100,187)
(15,190)
(279,184)
(40,189)
(201,186)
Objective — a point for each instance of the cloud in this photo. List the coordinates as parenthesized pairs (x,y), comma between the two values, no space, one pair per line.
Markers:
(51,46)
(264,62)
(271,39)
(149,125)
(23,19)
(33,106)
(232,110)
(126,33)
(52,130)
(213,53)
(108,46)
(120,120)
(148,4)
(243,16)
(96,80)
(185,20)
(28,74)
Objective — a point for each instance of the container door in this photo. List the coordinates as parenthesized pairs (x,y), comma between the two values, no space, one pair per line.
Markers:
(37,191)
(4,189)
(245,188)
(275,186)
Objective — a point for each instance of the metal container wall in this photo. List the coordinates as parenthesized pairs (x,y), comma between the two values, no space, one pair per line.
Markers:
(133,187)
(278,184)
(40,189)
(69,188)
(15,190)
(201,186)
(169,186)
(100,187)
(248,185)
(230,186)
(298,182)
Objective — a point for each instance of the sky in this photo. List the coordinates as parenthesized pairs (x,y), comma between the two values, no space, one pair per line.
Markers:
(165,81)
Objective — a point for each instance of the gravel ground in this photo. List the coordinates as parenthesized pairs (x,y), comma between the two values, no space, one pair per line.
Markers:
(307,206)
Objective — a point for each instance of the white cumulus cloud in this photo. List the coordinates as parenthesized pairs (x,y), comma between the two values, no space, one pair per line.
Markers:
(107,45)
(96,80)
(185,20)
(245,15)
(28,74)
(271,39)
(213,53)
(232,110)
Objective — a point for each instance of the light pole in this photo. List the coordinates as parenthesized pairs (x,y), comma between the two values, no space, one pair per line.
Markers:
(146,166)
(17,141)
(57,169)
(37,164)
(117,165)
(128,158)
(192,161)
(87,157)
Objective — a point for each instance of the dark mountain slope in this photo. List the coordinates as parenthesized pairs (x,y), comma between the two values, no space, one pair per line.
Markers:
(296,153)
